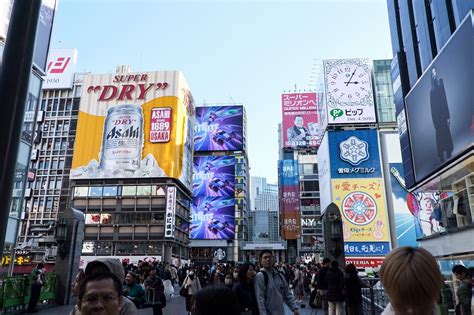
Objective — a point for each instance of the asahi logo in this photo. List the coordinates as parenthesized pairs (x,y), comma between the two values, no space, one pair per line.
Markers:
(129,133)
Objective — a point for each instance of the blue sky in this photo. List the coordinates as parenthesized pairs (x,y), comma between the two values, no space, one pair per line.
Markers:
(242,52)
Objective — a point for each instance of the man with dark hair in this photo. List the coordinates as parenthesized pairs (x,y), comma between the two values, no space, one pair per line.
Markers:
(298,132)
(463,292)
(38,281)
(100,293)
(271,288)
(323,282)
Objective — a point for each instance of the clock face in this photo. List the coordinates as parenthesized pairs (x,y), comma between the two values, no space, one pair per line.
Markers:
(348,83)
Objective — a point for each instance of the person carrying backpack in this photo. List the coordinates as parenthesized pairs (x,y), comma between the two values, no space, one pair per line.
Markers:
(38,282)
(271,288)
(155,289)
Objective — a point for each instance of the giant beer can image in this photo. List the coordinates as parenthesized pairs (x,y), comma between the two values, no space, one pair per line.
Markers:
(122,139)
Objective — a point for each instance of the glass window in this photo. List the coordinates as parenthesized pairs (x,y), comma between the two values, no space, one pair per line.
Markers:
(143,190)
(95,191)
(81,191)
(129,190)
(110,191)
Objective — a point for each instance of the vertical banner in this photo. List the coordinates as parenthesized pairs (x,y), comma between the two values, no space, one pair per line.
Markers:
(290,215)
(170,211)
(300,120)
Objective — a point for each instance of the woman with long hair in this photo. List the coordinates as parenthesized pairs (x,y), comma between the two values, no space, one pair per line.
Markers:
(244,289)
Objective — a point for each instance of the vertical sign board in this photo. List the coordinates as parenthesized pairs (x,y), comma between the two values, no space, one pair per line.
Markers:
(289,199)
(300,120)
(324,166)
(170,211)
(358,190)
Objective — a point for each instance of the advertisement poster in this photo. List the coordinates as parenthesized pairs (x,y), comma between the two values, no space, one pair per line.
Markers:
(219,128)
(290,216)
(355,154)
(324,165)
(214,176)
(349,94)
(365,220)
(60,69)
(212,218)
(439,107)
(300,120)
(134,126)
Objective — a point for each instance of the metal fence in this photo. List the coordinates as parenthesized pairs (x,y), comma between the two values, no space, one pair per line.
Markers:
(374,299)
(15,291)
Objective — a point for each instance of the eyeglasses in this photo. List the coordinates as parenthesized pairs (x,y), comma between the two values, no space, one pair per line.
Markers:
(92,299)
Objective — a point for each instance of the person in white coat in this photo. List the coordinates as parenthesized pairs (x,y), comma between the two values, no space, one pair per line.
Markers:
(193,286)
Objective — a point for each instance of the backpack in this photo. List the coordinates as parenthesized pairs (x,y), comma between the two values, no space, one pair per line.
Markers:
(265,278)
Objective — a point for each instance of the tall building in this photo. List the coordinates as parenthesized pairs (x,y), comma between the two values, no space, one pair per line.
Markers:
(431,75)
(219,219)
(48,191)
(383,91)
(22,174)
(131,171)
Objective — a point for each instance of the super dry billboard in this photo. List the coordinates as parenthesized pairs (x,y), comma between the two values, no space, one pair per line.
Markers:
(135,125)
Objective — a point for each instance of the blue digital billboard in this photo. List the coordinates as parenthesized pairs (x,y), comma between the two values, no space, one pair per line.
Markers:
(212,218)
(219,128)
(214,176)
(355,154)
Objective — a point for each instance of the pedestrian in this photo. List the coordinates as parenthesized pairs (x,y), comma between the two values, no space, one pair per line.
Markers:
(271,288)
(412,281)
(133,290)
(298,283)
(463,291)
(353,291)
(216,300)
(335,294)
(155,288)
(37,284)
(217,276)
(192,286)
(322,284)
(109,265)
(229,280)
(100,293)
(244,289)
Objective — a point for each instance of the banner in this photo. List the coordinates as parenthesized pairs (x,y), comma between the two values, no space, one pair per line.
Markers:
(134,126)
(290,215)
(219,128)
(170,211)
(354,154)
(300,120)
(212,218)
(365,221)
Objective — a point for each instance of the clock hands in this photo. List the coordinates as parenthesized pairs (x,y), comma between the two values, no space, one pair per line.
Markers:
(355,82)
(347,83)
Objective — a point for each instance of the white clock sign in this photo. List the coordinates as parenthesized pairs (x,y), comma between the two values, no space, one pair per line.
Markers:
(349,92)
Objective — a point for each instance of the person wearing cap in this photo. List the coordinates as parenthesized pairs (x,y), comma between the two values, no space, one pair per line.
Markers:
(114,266)
(192,285)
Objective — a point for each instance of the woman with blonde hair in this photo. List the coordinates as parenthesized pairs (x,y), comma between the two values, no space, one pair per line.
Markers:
(412,280)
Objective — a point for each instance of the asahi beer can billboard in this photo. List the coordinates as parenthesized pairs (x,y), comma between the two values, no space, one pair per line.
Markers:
(134,126)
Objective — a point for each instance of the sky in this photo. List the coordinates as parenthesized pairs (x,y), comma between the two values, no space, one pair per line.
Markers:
(230,51)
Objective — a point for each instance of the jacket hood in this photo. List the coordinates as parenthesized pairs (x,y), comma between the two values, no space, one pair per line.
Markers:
(113,265)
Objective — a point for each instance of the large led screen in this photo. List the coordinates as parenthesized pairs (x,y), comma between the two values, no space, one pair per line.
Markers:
(212,218)
(440,107)
(219,128)
(214,176)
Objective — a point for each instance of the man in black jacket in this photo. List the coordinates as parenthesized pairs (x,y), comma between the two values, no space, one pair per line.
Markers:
(323,283)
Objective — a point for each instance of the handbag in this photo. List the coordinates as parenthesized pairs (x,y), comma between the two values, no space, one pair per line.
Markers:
(183,291)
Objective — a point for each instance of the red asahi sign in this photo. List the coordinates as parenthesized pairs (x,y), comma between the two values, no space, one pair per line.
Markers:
(160,125)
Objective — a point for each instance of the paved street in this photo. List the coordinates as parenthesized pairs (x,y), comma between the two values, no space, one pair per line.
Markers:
(175,306)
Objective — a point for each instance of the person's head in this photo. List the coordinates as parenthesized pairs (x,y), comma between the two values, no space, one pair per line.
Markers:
(412,280)
(40,266)
(76,284)
(460,272)
(100,293)
(351,269)
(213,300)
(246,272)
(326,262)
(428,204)
(334,264)
(298,121)
(228,278)
(131,278)
(105,265)
(266,259)
(191,275)
(152,272)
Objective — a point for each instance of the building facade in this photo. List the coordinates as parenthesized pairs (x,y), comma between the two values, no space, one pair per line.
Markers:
(430,43)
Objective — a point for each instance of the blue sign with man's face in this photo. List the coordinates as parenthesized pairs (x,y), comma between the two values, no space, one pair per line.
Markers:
(354,154)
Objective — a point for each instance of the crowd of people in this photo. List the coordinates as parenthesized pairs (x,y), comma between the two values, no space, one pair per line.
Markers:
(410,276)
